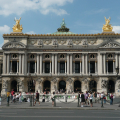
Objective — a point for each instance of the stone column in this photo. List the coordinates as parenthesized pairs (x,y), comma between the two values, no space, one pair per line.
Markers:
(89,67)
(11,66)
(43,67)
(58,67)
(116,59)
(55,64)
(113,66)
(82,63)
(65,66)
(8,61)
(70,63)
(38,66)
(0,68)
(95,67)
(52,63)
(26,64)
(80,67)
(50,66)
(35,66)
(74,67)
(19,63)
(4,64)
(28,67)
(107,66)
(67,63)
(23,64)
(41,64)
(86,64)
(104,65)
(119,63)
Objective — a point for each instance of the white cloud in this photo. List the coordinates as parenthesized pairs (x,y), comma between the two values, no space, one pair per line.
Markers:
(18,7)
(116,29)
(31,32)
(1,45)
(4,29)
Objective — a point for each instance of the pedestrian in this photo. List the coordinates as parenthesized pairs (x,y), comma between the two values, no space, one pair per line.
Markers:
(91,98)
(53,98)
(43,98)
(12,93)
(104,98)
(0,99)
(37,98)
(95,95)
(111,99)
(86,98)
(79,98)
(101,97)
(82,99)
(20,97)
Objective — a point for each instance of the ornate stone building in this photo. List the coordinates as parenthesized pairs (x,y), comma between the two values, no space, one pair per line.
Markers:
(62,60)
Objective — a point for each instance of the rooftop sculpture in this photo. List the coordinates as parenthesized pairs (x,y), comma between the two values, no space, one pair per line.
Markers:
(107,27)
(17,27)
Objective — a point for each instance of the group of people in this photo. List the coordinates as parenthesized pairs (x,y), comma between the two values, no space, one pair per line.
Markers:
(16,97)
(87,98)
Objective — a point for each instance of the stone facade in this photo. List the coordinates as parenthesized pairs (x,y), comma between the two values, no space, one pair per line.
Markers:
(85,59)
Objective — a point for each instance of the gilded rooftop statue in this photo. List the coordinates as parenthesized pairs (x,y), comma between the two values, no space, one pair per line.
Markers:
(17,27)
(107,27)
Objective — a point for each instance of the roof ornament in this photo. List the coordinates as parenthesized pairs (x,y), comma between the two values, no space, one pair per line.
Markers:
(63,23)
(17,27)
(107,27)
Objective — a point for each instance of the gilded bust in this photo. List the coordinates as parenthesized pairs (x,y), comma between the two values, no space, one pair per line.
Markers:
(17,27)
(107,27)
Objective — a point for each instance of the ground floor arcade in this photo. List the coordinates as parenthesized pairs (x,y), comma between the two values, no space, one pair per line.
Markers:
(61,84)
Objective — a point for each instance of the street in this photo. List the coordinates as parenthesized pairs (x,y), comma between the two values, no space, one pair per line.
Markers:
(37,114)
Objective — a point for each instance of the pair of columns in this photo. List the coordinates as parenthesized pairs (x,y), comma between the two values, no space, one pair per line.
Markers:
(7,64)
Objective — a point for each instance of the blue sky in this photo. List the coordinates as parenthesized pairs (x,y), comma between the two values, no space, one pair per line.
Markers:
(45,16)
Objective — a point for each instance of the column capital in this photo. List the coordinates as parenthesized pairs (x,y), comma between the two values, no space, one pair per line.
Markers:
(80,61)
(106,60)
(50,61)
(65,61)
(35,61)
(89,61)
(17,60)
(28,61)
(59,61)
(10,60)
(43,61)
(113,60)
(74,61)
(95,61)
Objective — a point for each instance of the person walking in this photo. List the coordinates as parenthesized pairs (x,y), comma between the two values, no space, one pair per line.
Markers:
(95,95)
(53,98)
(37,98)
(20,96)
(86,98)
(82,99)
(12,93)
(111,99)
(101,97)
(79,98)
(91,98)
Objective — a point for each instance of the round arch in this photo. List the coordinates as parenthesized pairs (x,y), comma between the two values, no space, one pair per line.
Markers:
(93,86)
(62,86)
(14,85)
(77,86)
(46,86)
(111,86)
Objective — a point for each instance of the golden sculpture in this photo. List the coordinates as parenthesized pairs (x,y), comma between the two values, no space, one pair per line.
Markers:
(17,27)
(107,27)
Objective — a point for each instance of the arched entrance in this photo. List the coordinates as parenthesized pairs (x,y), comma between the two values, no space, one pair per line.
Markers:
(93,86)
(46,85)
(111,86)
(77,86)
(14,85)
(31,86)
(62,86)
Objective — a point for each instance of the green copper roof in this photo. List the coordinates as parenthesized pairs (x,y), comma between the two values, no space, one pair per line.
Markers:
(63,29)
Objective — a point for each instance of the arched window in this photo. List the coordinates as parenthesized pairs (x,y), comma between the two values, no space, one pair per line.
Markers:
(76,56)
(61,56)
(47,56)
(109,55)
(14,55)
(32,56)
(92,56)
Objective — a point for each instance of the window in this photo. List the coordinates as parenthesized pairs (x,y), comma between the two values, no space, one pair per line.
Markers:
(47,56)
(76,56)
(14,55)
(32,67)
(77,67)
(92,56)
(32,56)
(61,56)
(47,67)
(62,67)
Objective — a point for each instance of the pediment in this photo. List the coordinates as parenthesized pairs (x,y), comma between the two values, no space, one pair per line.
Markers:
(13,45)
(110,44)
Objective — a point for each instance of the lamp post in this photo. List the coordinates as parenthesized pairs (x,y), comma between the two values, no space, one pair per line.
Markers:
(117,71)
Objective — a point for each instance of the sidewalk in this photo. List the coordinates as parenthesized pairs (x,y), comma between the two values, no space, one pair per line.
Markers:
(48,105)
